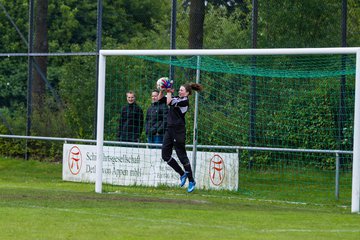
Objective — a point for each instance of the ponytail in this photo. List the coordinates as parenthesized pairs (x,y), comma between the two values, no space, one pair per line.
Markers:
(193,86)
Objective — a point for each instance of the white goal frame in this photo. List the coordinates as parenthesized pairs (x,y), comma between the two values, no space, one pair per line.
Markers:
(355,199)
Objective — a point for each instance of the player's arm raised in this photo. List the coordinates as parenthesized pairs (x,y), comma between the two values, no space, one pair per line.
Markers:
(169,92)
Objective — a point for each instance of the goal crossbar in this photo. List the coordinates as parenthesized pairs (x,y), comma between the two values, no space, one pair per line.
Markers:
(355,201)
(204,52)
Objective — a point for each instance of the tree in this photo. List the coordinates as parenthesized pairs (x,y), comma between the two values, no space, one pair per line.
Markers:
(300,23)
(197,17)
(196,30)
(40,46)
(12,70)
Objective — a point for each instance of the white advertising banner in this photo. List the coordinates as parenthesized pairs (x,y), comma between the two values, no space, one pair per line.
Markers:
(144,166)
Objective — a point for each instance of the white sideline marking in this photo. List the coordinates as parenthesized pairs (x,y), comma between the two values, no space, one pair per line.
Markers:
(167,221)
(312,230)
(274,201)
(242,198)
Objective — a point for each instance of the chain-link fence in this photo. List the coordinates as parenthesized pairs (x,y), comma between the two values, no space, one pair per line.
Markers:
(54,94)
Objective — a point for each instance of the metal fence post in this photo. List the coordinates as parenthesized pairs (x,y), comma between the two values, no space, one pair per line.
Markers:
(337,176)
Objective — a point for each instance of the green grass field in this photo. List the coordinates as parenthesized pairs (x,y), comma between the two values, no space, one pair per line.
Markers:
(36,204)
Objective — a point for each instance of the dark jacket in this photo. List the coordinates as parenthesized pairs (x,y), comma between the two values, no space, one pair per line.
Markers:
(156,116)
(131,123)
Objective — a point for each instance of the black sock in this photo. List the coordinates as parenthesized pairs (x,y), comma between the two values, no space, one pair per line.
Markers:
(173,163)
(189,172)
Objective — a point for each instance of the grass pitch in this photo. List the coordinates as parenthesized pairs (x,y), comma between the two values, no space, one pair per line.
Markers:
(36,204)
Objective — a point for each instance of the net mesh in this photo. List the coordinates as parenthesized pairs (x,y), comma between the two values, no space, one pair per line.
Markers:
(276,102)
(270,66)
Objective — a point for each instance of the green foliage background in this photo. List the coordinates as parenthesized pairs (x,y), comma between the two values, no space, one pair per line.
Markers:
(146,25)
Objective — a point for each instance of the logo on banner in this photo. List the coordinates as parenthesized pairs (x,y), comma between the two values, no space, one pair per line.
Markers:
(217,170)
(75,160)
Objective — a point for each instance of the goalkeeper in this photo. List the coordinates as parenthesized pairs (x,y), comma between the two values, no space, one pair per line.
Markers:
(175,134)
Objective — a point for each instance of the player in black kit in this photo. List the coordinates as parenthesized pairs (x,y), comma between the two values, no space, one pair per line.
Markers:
(175,135)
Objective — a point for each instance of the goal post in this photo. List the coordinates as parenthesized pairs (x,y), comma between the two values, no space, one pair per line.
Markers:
(100,121)
(355,199)
(103,54)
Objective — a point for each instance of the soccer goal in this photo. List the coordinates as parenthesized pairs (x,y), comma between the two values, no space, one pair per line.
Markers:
(279,121)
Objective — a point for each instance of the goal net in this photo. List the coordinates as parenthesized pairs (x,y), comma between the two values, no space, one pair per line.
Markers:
(278,124)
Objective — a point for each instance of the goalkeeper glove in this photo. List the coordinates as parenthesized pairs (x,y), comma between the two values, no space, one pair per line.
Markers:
(168,84)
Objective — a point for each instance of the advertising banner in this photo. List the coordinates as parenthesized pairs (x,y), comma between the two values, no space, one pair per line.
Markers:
(144,166)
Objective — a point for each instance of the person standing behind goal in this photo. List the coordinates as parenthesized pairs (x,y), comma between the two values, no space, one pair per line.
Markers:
(175,134)
(131,120)
(156,118)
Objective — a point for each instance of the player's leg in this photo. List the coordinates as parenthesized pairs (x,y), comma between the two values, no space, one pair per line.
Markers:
(166,152)
(180,149)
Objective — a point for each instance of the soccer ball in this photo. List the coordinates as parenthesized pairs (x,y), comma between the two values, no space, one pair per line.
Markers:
(163,83)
